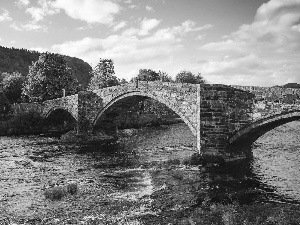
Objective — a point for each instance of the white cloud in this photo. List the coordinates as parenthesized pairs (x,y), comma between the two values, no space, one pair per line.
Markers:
(132,51)
(147,25)
(265,52)
(200,37)
(120,25)
(91,11)
(190,26)
(129,50)
(43,9)
(132,6)
(31,26)
(22,3)
(5,16)
(149,8)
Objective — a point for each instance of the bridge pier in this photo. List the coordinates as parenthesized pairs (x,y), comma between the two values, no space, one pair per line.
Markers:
(223,110)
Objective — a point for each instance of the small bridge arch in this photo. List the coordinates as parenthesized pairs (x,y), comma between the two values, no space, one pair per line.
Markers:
(130,95)
(47,114)
(250,133)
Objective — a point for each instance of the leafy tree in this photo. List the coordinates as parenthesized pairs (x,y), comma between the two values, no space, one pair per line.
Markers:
(13,59)
(103,75)
(188,77)
(151,75)
(12,86)
(147,75)
(4,104)
(47,77)
(164,77)
(123,81)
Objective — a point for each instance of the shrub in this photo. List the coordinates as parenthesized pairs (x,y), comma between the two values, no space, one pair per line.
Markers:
(72,188)
(58,192)
(25,123)
(55,193)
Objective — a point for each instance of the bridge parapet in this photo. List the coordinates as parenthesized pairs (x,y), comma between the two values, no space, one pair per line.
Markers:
(264,109)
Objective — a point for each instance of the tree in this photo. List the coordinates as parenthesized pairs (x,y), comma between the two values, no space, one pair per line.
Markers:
(188,77)
(123,81)
(147,75)
(4,104)
(151,75)
(47,77)
(164,77)
(12,86)
(103,75)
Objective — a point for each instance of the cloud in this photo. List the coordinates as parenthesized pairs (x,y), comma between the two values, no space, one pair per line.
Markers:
(5,16)
(190,26)
(149,8)
(147,25)
(265,52)
(132,6)
(90,11)
(22,3)
(31,26)
(130,50)
(120,25)
(200,37)
(43,9)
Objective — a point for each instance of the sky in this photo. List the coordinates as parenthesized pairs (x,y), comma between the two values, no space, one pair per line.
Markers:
(233,42)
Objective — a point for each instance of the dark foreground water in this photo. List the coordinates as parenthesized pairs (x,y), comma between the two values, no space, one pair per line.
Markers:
(143,183)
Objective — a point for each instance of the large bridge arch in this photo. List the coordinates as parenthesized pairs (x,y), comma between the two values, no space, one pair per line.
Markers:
(132,94)
(250,133)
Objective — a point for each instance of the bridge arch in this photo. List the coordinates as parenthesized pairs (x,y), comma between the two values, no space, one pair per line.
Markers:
(59,119)
(131,94)
(50,111)
(252,132)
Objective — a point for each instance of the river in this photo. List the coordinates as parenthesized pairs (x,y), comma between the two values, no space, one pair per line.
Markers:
(143,183)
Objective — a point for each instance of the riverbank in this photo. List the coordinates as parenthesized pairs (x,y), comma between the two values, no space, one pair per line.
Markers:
(145,182)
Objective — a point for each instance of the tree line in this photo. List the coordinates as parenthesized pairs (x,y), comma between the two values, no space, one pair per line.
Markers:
(50,74)
(103,75)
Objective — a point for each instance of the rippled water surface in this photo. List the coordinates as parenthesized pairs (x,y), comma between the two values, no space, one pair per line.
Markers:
(145,184)
(276,161)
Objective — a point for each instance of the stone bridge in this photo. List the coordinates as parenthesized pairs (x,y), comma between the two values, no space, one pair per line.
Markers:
(220,117)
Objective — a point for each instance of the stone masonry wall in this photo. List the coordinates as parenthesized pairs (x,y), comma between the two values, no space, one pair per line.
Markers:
(26,107)
(89,105)
(224,110)
(181,98)
(68,103)
(270,101)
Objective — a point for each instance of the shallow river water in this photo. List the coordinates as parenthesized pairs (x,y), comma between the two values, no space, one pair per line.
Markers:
(145,183)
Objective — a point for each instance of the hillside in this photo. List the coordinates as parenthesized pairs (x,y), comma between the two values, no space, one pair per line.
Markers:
(19,60)
(291,85)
